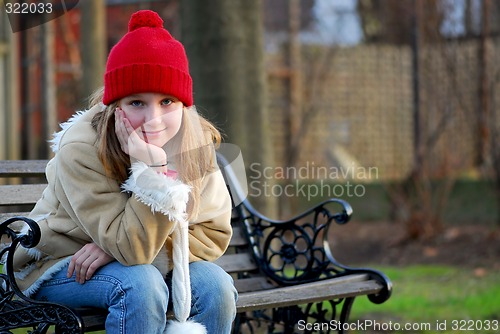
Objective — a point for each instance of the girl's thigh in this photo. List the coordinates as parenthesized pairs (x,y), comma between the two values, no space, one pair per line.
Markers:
(108,283)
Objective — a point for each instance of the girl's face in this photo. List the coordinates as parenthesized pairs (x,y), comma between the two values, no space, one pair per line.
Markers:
(157,117)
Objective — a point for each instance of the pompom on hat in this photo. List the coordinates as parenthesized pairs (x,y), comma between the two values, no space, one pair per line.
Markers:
(147,59)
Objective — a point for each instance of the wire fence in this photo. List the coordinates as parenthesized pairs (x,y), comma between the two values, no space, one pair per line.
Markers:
(424,100)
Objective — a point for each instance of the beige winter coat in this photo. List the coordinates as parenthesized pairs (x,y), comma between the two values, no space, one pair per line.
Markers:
(82,205)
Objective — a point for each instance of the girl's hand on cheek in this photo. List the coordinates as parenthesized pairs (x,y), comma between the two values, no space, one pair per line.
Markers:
(133,143)
(123,129)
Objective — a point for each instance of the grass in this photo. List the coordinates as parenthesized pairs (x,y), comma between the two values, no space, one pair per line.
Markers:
(432,294)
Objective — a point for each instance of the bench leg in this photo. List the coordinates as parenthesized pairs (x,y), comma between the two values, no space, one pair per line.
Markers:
(346,311)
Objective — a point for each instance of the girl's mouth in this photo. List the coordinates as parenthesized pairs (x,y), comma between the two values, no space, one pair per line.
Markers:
(153,133)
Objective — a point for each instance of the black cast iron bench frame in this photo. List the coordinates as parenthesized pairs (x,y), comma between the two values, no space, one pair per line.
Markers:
(284,270)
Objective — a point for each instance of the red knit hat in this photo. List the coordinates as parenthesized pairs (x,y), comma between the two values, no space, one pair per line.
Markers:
(147,59)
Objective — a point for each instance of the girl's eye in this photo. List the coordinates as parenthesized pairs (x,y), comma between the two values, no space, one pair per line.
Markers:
(136,103)
(167,102)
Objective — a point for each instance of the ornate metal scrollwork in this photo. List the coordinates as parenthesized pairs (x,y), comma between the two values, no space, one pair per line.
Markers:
(293,251)
(16,309)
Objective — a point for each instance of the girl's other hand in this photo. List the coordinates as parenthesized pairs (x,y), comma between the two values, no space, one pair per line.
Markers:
(86,261)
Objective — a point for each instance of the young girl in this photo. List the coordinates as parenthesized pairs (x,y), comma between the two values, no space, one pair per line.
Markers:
(135,208)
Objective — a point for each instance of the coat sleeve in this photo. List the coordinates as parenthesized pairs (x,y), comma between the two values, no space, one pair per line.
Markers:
(123,226)
(210,233)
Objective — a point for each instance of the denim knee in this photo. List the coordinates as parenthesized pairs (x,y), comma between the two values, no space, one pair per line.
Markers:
(214,294)
(146,283)
(142,290)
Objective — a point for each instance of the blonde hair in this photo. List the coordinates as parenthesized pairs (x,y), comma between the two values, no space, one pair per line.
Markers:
(191,150)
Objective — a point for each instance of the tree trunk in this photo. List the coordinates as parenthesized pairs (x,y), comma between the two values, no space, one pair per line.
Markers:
(93,45)
(48,89)
(224,43)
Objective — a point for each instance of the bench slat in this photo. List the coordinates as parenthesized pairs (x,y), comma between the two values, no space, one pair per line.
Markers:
(253,284)
(238,239)
(234,263)
(93,318)
(5,216)
(22,168)
(348,286)
(21,194)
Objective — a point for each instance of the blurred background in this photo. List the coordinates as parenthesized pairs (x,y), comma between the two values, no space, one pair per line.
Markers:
(393,105)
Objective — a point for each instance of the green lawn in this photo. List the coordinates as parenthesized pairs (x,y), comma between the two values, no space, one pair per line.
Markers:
(432,294)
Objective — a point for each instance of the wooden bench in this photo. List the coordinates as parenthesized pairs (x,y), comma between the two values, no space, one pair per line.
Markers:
(284,271)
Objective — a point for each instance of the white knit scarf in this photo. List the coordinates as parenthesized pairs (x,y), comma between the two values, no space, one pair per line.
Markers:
(169,197)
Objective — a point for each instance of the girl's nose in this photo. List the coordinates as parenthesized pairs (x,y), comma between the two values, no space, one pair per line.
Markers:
(153,115)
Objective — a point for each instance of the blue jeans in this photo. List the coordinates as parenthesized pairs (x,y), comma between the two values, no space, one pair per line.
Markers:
(137,297)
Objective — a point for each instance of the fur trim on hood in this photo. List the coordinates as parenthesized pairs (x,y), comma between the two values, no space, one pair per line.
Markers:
(57,136)
(160,192)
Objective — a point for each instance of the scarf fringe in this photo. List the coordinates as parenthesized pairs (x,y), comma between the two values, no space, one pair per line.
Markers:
(187,327)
